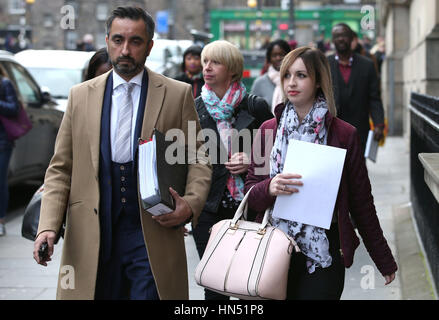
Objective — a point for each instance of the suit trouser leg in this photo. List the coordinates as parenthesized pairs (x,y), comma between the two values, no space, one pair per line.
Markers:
(138,280)
(127,275)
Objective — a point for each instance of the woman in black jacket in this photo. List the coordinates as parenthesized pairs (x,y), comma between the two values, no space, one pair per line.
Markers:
(229,116)
(191,67)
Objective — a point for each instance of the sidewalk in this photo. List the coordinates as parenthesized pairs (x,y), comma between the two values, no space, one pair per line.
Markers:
(21,278)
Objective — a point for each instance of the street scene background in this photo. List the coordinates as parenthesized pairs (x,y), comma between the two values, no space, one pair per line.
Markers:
(35,34)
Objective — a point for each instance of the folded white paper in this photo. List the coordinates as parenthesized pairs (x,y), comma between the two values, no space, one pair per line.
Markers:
(321,168)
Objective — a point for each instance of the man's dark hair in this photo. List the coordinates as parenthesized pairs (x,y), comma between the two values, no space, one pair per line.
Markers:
(346,26)
(279,42)
(99,58)
(132,13)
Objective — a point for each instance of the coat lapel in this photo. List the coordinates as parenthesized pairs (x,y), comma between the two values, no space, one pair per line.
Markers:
(94,100)
(154,102)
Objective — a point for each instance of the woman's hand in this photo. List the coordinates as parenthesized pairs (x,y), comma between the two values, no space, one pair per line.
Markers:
(389,278)
(282,184)
(238,163)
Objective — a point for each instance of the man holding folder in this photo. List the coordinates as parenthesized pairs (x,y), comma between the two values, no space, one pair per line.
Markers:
(115,249)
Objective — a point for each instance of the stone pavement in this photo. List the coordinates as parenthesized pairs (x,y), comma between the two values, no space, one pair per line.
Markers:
(22,278)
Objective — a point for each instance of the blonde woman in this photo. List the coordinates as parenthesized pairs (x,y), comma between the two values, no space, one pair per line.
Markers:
(223,105)
(309,114)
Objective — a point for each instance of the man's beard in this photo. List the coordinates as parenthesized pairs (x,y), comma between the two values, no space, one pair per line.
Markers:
(126,69)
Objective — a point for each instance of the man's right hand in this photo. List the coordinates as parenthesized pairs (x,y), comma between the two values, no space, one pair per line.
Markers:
(46,236)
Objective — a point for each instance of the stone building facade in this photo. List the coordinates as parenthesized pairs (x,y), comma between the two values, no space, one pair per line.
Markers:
(49,25)
(411,31)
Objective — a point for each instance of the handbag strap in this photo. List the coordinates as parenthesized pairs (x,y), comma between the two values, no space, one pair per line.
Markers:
(242,210)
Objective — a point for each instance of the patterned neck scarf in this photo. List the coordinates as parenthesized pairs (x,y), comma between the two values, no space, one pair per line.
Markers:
(312,240)
(222,112)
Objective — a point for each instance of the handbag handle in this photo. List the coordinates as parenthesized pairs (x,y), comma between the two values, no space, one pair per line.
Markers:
(243,208)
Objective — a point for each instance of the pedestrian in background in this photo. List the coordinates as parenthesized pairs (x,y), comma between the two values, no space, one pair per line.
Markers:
(99,64)
(224,105)
(358,47)
(119,250)
(309,114)
(192,69)
(356,86)
(9,108)
(267,86)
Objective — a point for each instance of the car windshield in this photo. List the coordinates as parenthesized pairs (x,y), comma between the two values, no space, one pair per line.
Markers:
(59,81)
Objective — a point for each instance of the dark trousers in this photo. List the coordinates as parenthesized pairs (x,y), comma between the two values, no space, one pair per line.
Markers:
(5,156)
(323,284)
(127,276)
(201,236)
(127,273)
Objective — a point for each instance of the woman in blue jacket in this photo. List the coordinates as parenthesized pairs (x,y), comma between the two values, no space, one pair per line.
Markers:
(9,109)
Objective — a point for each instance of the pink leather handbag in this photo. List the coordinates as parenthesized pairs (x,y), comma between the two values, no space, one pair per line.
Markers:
(247,260)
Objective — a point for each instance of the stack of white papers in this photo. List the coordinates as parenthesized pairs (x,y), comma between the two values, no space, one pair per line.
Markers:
(149,186)
(321,168)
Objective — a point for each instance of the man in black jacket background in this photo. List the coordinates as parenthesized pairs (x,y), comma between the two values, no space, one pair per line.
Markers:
(356,86)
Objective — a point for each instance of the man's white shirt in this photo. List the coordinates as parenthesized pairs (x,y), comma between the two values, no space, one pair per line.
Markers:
(116,100)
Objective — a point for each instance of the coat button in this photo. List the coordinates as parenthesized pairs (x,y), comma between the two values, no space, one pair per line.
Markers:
(122,168)
(122,189)
(122,179)
(124,200)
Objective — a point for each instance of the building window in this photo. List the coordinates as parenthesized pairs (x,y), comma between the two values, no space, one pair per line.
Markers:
(100,40)
(17,7)
(71,39)
(48,20)
(102,11)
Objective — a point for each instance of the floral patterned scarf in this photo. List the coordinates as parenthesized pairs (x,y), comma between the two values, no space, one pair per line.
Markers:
(312,240)
(222,112)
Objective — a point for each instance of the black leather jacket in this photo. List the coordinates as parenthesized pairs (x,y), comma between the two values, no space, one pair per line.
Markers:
(250,114)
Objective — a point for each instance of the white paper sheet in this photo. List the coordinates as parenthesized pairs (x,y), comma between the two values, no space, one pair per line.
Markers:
(321,168)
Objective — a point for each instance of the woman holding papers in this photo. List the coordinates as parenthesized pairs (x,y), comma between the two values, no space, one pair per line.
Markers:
(225,109)
(308,114)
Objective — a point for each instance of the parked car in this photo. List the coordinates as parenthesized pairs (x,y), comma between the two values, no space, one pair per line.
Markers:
(56,70)
(32,153)
(165,57)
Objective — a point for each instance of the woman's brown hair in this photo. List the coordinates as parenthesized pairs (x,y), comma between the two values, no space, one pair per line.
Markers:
(318,70)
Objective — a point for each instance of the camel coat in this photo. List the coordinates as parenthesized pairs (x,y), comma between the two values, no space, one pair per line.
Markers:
(72,187)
